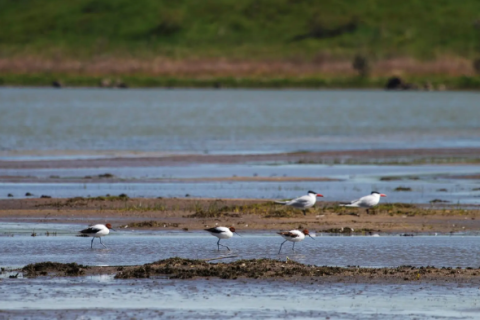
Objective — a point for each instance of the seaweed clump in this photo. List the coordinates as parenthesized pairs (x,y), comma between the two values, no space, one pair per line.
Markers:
(177,268)
(43,268)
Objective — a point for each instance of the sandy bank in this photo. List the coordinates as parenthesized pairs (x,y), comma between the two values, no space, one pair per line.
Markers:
(244,214)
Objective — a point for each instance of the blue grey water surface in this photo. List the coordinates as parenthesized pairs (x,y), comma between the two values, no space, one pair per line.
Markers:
(101,297)
(233,121)
(89,123)
(133,247)
(427,182)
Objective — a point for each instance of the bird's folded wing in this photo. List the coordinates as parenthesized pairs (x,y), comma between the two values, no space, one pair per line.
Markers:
(354,201)
(214,230)
(288,234)
(301,200)
(90,230)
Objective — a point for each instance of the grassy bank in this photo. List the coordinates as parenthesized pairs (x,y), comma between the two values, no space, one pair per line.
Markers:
(249,43)
(147,81)
(304,29)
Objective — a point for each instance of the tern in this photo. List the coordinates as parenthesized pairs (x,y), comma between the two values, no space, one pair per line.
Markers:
(97,231)
(293,236)
(303,202)
(222,233)
(365,202)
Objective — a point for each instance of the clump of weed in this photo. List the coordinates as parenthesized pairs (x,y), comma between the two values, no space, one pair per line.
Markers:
(108,197)
(43,268)
(438,201)
(152,224)
(390,178)
(178,268)
(392,206)
(144,207)
(106,175)
(403,189)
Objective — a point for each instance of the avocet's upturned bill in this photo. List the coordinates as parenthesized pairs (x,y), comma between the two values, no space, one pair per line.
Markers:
(222,233)
(303,202)
(293,236)
(97,231)
(365,202)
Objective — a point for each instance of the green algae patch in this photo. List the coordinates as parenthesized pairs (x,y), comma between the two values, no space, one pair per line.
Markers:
(265,209)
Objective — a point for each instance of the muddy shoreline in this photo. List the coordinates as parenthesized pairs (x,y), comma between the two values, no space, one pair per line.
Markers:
(189,214)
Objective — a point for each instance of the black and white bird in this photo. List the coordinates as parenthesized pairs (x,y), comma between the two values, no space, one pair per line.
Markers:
(293,236)
(303,202)
(365,202)
(97,231)
(222,233)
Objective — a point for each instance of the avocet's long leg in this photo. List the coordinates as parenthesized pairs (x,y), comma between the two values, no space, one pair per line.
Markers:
(102,242)
(281,246)
(218,245)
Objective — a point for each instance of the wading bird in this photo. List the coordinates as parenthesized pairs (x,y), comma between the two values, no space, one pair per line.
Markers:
(293,236)
(97,231)
(365,202)
(222,233)
(303,202)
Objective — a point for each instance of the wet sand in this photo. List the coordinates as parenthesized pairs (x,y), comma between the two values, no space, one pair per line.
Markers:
(244,214)
(450,155)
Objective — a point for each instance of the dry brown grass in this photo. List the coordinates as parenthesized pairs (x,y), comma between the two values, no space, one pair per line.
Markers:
(198,68)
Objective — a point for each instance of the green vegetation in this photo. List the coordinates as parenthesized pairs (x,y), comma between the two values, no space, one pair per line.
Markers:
(241,29)
(148,81)
(266,209)
(248,43)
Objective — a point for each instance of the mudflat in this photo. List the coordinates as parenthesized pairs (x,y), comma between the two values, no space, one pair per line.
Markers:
(178,268)
(244,214)
(440,155)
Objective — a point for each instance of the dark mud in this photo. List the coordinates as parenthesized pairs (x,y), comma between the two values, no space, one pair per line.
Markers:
(178,268)
(60,269)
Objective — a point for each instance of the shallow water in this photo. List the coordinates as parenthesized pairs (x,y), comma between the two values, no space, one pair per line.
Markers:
(85,123)
(428,182)
(233,121)
(102,297)
(131,247)
(106,298)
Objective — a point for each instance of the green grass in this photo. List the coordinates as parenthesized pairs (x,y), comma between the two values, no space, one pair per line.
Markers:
(243,29)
